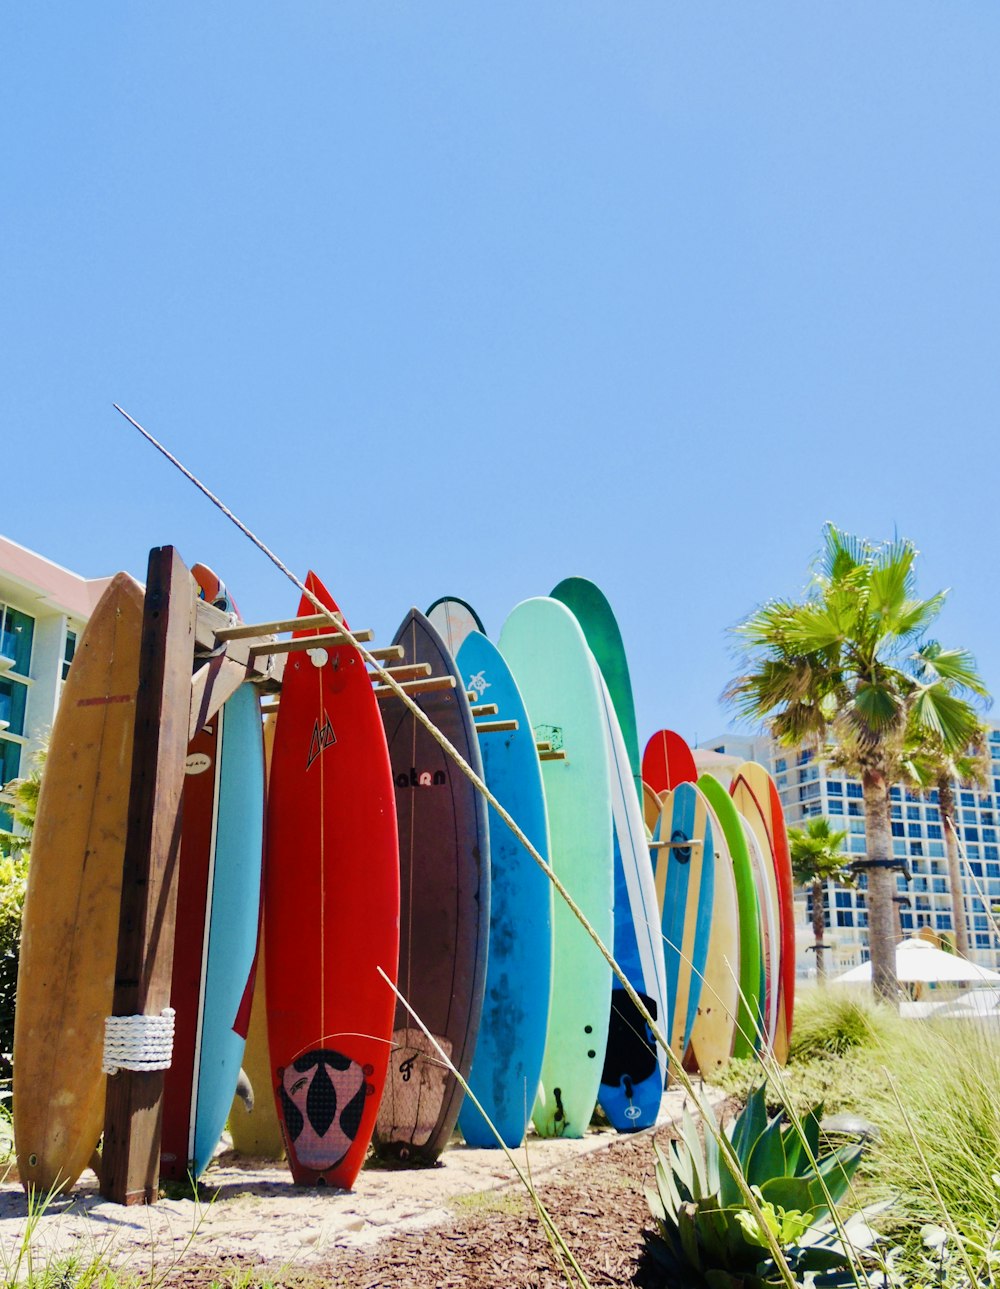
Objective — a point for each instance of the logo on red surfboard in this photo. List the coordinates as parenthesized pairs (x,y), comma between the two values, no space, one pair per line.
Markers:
(322,738)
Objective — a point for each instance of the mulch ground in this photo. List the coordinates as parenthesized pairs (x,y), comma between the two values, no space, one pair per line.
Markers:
(598,1203)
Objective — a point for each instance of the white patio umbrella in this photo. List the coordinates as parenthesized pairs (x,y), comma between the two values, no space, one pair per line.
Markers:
(918,960)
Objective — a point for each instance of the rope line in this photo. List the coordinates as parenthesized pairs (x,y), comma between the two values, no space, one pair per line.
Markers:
(138,1042)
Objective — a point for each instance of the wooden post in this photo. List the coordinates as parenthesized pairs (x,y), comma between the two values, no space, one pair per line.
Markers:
(133,1107)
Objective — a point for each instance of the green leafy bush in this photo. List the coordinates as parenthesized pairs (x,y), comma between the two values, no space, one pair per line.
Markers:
(707,1236)
(13,880)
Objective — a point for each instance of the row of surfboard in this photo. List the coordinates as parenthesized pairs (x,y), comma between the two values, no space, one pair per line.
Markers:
(389,886)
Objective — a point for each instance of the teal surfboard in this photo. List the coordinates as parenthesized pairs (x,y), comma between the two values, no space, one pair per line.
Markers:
(507,1064)
(558,679)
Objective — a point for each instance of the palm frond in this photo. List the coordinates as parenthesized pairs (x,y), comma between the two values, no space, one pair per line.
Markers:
(950,718)
(955,666)
(842,553)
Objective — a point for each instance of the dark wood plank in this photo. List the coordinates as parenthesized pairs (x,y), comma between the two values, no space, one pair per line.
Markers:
(133,1108)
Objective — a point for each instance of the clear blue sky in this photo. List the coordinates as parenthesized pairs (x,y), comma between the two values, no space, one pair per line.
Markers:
(465,298)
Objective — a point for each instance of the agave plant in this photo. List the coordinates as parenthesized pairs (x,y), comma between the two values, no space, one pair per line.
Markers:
(706,1236)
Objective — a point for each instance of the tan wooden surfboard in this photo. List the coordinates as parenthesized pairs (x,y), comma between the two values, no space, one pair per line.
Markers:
(257,1132)
(714,1028)
(69,936)
(650,807)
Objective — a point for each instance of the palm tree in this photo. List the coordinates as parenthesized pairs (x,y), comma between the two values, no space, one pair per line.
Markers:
(817,856)
(932,766)
(843,662)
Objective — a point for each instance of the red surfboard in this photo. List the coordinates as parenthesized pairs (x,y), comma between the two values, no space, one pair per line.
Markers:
(667,761)
(331,909)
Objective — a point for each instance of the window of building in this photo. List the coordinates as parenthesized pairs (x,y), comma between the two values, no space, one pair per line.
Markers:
(993,870)
(969,817)
(944,921)
(982,941)
(932,813)
(916,847)
(913,812)
(935,848)
(971,834)
(898,829)
(808,790)
(834,788)
(845,918)
(68,653)
(906,919)
(16,632)
(939,885)
(968,798)
(10,764)
(854,790)
(899,849)
(835,807)
(856,826)
(857,845)
(972,851)
(914,830)
(842,899)
(934,830)
(855,808)
(991,852)
(779,766)
(895,812)
(13,698)
(911,796)
(895,794)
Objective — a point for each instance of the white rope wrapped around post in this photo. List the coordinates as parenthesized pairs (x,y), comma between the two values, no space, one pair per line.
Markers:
(138,1042)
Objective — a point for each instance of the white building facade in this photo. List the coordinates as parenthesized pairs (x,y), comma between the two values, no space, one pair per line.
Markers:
(808,788)
(43,609)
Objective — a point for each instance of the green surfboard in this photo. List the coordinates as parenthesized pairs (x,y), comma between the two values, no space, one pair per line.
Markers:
(589,605)
(749,1018)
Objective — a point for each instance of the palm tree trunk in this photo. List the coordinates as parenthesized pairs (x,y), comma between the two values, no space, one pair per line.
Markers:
(946,800)
(819,928)
(881,887)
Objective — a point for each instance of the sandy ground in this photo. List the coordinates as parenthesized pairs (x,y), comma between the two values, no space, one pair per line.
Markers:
(249,1209)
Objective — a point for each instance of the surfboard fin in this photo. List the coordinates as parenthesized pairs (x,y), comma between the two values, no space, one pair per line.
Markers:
(244,1090)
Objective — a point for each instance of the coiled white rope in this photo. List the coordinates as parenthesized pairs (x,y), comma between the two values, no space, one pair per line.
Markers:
(138,1042)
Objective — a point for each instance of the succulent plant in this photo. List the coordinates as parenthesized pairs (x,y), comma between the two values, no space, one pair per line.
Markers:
(706,1235)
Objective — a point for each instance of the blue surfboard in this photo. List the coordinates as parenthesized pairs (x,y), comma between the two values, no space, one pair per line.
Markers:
(507,1064)
(231,938)
(635,1067)
(684,859)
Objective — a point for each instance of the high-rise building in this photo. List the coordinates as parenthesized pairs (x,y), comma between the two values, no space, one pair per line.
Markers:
(809,788)
(43,609)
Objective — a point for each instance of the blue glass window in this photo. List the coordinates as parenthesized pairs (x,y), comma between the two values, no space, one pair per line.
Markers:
(13,697)
(936,848)
(934,830)
(834,788)
(913,812)
(16,632)
(835,807)
(857,845)
(854,790)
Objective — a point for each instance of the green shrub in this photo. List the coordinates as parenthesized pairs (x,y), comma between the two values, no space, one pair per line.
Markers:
(830,1022)
(13,880)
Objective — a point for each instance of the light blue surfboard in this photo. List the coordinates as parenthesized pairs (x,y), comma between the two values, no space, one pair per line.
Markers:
(558,679)
(507,1064)
(231,938)
(685,888)
(635,1066)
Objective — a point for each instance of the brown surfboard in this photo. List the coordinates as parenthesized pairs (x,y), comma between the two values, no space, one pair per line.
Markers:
(69,936)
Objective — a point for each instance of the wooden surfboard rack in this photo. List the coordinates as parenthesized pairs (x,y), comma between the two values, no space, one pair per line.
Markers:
(485,709)
(410,671)
(494,727)
(247,631)
(552,755)
(675,845)
(303,644)
(428,686)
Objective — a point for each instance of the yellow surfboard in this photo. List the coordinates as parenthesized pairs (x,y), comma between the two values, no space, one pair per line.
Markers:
(650,807)
(69,938)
